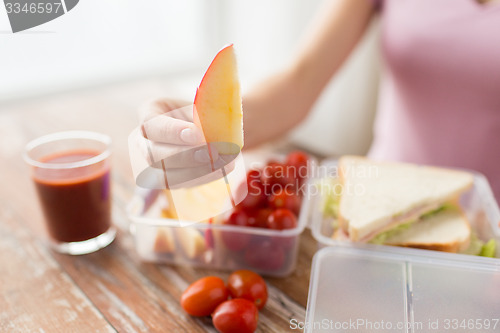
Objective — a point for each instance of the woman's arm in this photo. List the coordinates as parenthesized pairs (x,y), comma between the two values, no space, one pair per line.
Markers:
(282,101)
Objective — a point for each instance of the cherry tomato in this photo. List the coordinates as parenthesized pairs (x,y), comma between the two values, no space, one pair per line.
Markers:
(204,295)
(256,196)
(234,240)
(259,218)
(237,217)
(248,285)
(298,160)
(236,316)
(265,255)
(252,175)
(275,177)
(285,199)
(281,219)
(287,243)
(273,162)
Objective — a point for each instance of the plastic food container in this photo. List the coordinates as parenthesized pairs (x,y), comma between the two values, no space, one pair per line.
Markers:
(272,252)
(226,247)
(478,204)
(401,290)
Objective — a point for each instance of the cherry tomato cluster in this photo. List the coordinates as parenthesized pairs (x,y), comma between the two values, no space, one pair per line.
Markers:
(274,187)
(209,296)
(273,202)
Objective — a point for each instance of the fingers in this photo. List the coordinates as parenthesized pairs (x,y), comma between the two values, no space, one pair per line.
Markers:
(176,109)
(176,156)
(165,129)
(166,133)
(165,121)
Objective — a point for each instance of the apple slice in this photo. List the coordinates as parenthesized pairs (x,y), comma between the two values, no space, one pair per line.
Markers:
(191,241)
(164,241)
(218,104)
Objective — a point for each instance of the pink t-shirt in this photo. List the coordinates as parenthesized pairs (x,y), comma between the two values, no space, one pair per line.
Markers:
(440,95)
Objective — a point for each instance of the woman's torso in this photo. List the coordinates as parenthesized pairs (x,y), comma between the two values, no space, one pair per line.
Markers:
(440,96)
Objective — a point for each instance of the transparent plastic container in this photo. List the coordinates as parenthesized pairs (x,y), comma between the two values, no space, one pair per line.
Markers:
(401,290)
(218,246)
(478,204)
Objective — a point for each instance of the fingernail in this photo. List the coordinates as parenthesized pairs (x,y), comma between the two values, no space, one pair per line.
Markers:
(189,135)
(202,156)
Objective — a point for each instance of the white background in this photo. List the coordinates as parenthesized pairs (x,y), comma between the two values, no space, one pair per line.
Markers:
(105,41)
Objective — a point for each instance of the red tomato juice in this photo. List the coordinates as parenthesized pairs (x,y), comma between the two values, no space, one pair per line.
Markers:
(76,201)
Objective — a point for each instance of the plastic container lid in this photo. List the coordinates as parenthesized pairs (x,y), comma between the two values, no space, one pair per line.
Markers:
(405,290)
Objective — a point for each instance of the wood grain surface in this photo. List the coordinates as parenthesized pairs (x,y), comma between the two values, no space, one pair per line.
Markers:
(110,290)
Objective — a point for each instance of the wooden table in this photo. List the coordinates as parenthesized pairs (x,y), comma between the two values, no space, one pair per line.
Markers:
(110,290)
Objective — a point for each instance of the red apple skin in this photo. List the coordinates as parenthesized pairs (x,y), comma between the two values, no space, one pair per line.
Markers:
(224,49)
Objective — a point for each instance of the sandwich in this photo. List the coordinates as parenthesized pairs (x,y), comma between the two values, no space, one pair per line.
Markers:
(400,204)
(380,196)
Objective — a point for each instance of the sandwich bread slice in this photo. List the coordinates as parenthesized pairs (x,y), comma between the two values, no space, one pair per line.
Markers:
(447,230)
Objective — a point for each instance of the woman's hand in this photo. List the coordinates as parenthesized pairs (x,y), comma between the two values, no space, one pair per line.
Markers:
(169,151)
(169,134)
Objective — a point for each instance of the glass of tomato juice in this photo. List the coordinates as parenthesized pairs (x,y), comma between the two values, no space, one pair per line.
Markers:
(71,172)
